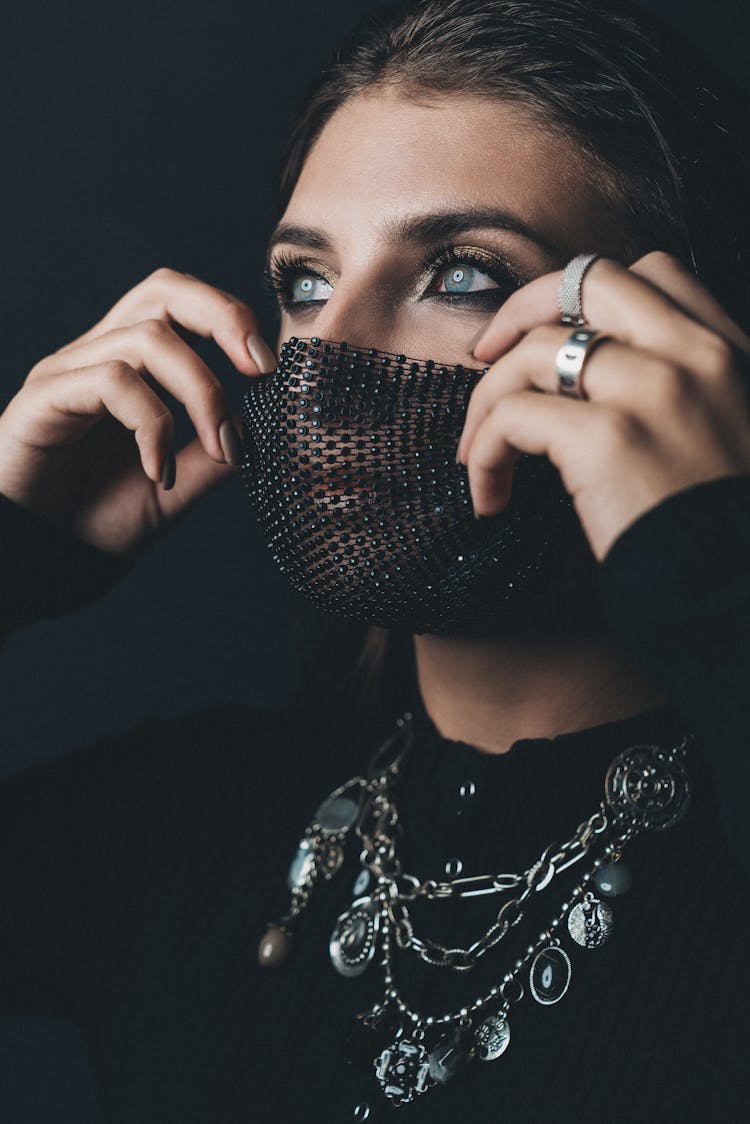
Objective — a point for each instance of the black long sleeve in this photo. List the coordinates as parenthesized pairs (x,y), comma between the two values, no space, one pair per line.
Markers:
(675,586)
(45,571)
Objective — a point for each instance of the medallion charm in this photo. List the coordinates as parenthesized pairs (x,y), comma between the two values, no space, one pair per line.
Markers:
(492,1037)
(590,923)
(549,975)
(403,1069)
(355,937)
(647,790)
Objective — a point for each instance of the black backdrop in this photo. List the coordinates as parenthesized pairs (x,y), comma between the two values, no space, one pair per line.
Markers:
(139,135)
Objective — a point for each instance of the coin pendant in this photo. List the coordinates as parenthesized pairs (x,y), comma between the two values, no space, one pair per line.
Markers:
(354,938)
(492,1037)
(549,975)
(590,922)
(647,790)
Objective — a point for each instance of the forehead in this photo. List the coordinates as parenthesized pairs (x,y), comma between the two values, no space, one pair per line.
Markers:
(383,153)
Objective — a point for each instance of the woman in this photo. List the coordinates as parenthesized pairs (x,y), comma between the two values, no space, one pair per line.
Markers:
(449,165)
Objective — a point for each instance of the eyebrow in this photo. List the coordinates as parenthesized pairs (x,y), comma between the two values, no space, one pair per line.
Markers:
(424,229)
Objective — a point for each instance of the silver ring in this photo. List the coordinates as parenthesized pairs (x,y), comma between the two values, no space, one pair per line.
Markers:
(570,361)
(569,296)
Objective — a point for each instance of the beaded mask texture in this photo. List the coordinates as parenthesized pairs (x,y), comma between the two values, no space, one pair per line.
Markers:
(349,461)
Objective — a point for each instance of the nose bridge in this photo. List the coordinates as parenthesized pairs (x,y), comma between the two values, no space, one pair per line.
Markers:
(359,312)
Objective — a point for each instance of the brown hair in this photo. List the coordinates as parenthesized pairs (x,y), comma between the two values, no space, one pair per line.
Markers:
(664,129)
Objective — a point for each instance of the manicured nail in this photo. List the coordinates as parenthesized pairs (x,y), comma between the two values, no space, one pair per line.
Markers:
(260,353)
(168,471)
(231,445)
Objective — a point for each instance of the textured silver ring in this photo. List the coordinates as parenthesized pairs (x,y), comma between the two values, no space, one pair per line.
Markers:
(569,296)
(571,358)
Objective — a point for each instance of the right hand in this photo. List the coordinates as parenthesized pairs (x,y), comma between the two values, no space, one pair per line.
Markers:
(65,449)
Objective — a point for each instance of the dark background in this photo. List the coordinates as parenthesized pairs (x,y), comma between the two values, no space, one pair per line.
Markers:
(139,135)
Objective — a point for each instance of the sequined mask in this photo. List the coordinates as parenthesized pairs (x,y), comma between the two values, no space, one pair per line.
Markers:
(349,461)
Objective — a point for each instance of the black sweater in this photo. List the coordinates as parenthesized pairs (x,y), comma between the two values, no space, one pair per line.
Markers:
(137,875)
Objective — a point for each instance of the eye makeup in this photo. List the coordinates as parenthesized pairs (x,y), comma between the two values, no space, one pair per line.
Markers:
(284,269)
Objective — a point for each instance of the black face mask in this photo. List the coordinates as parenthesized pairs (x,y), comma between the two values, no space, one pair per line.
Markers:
(349,461)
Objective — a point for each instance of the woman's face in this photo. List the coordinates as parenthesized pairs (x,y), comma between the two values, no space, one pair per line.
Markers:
(412,222)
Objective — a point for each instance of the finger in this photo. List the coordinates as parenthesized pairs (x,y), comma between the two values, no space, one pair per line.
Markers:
(153,347)
(212,313)
(538,424)
(615,300)
(109,388)
(672,276)
(196,475)
(612,372)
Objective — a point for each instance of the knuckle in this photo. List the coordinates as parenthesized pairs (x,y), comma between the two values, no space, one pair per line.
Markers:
(713,356)
(118,371)
(658,260)
(213,395)
(153,330)
(236,313)
(163,274)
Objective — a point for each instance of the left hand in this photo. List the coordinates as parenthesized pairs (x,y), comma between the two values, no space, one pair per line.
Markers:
(668,396)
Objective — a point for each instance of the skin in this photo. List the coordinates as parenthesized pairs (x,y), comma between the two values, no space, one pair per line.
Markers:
(667,407)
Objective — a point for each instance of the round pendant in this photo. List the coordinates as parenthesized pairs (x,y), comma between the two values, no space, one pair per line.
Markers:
(354,938)
(549,975)
(403,1070)
(590,922)
(613,879)
(643,788)
(302,866)
(337,813)
(492,1037)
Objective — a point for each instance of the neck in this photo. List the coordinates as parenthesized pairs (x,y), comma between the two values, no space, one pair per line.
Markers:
(491,691)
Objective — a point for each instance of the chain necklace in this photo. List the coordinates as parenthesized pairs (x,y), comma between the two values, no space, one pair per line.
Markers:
(646,788)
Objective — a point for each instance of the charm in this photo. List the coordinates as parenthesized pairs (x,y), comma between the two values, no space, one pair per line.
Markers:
(337,813)
(613,879)
(354,938)
(302,867)
(493,1037)
(451,1054)
(646,790)
(403,1070)
(275,946)
(549,975)
(590,922)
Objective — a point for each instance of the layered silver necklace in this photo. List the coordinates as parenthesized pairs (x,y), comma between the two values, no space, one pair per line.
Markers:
(646,788)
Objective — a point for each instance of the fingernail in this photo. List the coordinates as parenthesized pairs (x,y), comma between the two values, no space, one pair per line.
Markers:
(231,445)
(260,353)
(168,471)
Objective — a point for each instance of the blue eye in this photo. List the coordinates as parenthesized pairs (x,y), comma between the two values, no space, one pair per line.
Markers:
(464,278)
(309,287)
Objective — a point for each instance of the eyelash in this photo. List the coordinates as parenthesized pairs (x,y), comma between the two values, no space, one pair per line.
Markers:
(281,271)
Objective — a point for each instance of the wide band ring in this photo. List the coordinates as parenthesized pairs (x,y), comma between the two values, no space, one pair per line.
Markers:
(570,361)
(569,296)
